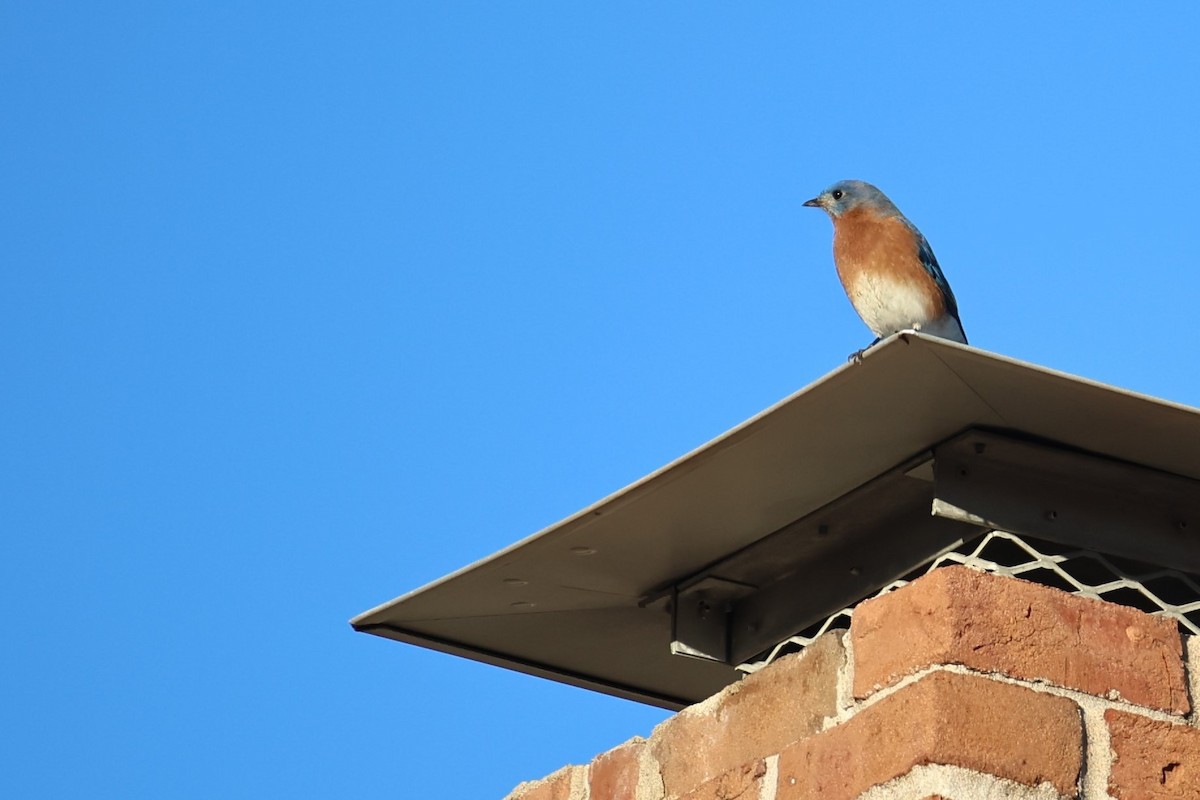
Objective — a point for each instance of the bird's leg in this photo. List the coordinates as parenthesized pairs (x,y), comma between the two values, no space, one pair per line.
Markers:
(857,356)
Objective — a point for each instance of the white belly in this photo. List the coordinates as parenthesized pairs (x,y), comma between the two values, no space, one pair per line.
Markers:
(890,306)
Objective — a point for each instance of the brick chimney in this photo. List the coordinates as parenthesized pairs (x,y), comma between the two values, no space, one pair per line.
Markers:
(937,573)
(960,685)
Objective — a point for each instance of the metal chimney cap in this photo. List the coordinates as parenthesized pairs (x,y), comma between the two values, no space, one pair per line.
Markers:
(586,601)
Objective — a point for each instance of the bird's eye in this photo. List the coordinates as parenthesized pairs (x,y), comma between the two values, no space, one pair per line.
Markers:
(837,194)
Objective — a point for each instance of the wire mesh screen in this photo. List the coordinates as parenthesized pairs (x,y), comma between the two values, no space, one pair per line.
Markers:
(1152,589)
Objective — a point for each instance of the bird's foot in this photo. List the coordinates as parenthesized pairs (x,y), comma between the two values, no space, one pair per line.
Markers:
(857,356)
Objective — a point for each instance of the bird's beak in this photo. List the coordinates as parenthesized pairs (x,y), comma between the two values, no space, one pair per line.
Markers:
(814,203)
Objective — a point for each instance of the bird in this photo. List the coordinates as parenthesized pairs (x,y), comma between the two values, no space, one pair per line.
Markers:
(886,266)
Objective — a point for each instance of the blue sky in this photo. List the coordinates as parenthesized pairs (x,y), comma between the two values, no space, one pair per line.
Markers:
(305,305)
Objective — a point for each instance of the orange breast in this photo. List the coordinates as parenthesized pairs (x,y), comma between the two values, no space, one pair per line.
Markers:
(882,251)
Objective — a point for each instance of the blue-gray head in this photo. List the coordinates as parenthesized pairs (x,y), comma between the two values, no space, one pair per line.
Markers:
(846,196)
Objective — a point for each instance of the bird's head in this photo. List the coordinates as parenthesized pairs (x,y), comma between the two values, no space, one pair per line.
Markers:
(845,196)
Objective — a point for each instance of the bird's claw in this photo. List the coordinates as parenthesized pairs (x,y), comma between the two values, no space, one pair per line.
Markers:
(857,356)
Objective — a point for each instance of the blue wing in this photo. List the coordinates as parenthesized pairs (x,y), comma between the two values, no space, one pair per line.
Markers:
(929,261)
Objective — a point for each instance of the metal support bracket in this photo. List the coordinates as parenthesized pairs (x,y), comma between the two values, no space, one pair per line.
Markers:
(979,480)
(700,618)
(747,603)
(1070,497)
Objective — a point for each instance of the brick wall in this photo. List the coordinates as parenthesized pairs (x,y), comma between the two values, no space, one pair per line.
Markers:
(961,685)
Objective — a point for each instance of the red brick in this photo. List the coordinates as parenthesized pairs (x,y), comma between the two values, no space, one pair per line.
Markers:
(957,615)
(614,775)
(751,719)
(1153,759)
(944,718)
(741,783)
(556,786)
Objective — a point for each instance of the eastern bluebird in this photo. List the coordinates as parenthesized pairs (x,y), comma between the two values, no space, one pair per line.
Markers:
(887,268)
